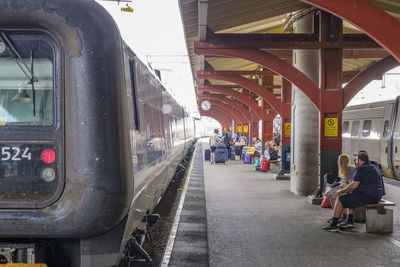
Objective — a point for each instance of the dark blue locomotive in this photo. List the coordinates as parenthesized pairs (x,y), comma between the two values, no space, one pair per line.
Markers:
(89,138)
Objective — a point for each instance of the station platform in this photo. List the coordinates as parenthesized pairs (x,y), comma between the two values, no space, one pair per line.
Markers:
(246,218)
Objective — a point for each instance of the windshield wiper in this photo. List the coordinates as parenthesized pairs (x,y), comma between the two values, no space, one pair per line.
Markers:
(32,82)
(21,64)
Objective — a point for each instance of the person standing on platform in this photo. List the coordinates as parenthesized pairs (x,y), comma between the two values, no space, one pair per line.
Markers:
(229,135)
(242,143)
(213,144)
(227,143)
(257,148)
(366,188)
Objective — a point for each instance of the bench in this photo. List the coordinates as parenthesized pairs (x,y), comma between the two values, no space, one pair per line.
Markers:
(275,165)
(378,219)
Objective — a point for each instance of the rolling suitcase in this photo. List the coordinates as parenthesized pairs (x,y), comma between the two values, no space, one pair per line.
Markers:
(219,155)
(233,155)
(207,155)
(265,165)
(247,158)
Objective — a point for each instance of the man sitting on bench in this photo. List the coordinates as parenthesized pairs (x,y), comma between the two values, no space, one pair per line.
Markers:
(366,188)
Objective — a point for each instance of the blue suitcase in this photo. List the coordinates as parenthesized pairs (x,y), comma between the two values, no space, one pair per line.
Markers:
(207,155)
(219,155)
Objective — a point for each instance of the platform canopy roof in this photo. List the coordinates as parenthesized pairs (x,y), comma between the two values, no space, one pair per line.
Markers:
(202,18)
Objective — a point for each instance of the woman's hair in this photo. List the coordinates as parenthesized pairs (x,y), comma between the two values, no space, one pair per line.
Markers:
(344,165)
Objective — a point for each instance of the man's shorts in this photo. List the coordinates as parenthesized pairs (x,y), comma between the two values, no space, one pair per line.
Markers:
(213,148)
(351,201)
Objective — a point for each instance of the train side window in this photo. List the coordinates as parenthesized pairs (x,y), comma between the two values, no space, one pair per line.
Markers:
(345,128)
(386,129)
(354,128)
(134,94)
(366,131)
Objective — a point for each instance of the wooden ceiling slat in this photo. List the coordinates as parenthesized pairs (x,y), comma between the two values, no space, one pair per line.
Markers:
(217,6)
(389,6)
(188,7)
(245,18)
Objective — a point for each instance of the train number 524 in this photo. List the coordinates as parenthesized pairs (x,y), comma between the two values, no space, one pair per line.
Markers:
(14,153)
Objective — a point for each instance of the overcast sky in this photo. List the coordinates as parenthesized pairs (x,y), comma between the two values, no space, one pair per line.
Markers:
(380,90)
(154,32)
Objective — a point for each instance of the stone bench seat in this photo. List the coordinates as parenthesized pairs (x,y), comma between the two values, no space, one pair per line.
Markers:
(378,219)
(275,165)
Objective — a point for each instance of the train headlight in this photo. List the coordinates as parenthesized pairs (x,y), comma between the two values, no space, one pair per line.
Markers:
(48,174)
(2,47)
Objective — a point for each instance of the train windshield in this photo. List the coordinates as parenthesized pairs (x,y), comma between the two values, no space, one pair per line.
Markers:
(26,80)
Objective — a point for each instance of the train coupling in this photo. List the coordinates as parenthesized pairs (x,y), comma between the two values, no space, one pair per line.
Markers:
(21,253)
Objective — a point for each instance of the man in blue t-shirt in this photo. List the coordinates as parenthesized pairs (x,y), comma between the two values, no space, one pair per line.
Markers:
(366,188)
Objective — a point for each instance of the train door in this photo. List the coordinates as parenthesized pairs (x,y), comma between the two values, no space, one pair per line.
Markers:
(394,148)
(355,135)
(384,145)
(346,141)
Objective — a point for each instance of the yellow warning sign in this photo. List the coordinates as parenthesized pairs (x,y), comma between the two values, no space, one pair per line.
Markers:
(224,129)
(239,129)
(287,130)
(331,127)
(127,9)
(248,150)
(230,128)
(245,128)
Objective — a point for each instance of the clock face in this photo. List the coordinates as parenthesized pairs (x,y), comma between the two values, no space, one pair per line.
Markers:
(205,105)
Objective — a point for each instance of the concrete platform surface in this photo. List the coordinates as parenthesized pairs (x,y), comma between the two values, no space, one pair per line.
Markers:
(254,220)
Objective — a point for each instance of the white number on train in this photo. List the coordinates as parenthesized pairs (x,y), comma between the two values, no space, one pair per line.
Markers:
(14,153)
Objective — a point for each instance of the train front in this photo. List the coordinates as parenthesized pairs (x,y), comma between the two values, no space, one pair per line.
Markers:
(62,180)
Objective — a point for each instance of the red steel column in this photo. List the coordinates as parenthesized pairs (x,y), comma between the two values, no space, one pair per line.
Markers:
(331,95)
(267,126)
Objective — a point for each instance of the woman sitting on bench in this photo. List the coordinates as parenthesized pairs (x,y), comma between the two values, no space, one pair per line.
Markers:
(345,174)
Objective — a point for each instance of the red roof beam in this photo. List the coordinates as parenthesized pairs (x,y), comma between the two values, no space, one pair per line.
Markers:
(241,108)
(248,84)
(374,71)
(241,97)
(371,19)
(286,41)
(347,53)
(272,63)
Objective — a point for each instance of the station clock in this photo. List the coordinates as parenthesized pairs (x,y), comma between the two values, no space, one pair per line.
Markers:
(205,105)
